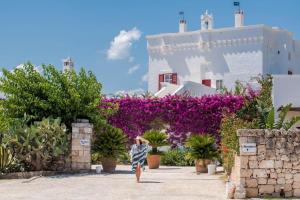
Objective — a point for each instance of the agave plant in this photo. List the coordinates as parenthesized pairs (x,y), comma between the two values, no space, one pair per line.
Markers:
(6,159)
(156,139)
(267,119)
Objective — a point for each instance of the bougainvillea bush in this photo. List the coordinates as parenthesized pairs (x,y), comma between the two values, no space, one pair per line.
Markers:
(181,115)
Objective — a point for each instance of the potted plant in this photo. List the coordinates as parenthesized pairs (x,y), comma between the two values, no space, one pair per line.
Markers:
(201,148)
(156,139)
(110,144)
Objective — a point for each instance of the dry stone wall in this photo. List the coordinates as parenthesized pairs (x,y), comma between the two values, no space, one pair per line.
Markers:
(268,163)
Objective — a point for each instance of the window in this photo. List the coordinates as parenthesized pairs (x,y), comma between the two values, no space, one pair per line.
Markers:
(278,52)
(289,56)
(168,78)
(219,84)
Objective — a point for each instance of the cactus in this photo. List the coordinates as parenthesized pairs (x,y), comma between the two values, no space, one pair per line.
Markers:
(6,159)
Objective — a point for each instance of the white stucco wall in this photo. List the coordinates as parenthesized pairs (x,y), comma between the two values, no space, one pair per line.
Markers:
(208,54)
(286,90)
(227,54)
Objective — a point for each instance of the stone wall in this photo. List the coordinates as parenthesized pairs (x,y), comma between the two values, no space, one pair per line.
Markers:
(268,164)
(81,145)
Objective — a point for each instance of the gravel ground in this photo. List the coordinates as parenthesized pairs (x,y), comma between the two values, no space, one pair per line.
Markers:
(166,183)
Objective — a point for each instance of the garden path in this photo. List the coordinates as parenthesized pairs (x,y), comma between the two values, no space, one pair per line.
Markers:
(166,183)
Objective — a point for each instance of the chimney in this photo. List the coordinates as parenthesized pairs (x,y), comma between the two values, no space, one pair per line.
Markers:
(239,19)
(182,26)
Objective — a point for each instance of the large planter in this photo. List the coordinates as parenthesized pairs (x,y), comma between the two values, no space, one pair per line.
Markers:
(201,165)
(109,165)
(153,161)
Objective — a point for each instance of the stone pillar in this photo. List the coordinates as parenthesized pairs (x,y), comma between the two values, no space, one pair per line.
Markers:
(81,145)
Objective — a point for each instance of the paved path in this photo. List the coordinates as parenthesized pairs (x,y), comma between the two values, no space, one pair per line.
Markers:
(166,183)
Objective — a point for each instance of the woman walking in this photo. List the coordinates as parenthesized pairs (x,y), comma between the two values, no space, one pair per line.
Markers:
(138,155)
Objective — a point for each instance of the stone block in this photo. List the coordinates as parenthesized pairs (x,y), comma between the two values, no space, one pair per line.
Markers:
(273,175)
(281,181)
(289,181)
(252,158)
(260,173)
(285,158)
(288,176)
(266,164)
(242,140)
(253,164)
(297,177)
(262,181)
(261,149)
(296,165)
(271,181)
(266,189)
(251,192)
(296,185)
(244,162)
(287,165)
(278,164)
(246,173)
(251,183)
(296,193)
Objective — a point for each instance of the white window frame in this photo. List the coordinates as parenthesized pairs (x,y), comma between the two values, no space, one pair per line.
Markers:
(219,84)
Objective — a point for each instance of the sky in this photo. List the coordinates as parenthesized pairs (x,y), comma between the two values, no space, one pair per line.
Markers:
(108,36)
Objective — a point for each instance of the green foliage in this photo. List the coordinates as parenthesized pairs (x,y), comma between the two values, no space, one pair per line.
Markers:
(6,159)
(201,147)
(229,139)
(67,95)
(109,142)
(156,139)
(269,119)
(38,145)
(256,105)
(177,157)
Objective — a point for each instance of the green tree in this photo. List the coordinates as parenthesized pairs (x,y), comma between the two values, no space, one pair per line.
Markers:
(54,93)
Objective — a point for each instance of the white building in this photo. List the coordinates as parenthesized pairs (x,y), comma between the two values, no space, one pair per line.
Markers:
(204,60)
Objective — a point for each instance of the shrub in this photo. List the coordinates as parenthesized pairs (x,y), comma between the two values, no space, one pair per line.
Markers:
(177,157)
(37,146)
(181,114)
(201,147)
(109,142)
(230,142)
(156,139)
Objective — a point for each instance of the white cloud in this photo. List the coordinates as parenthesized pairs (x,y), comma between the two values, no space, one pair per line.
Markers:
(133,69)
(145,78)
(138,91)
(121,45)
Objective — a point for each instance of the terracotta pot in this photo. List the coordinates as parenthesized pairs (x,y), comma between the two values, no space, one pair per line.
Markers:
(109,165)
(153,161)
(201,165)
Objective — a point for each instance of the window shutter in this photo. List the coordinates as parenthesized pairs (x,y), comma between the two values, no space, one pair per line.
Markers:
(174,78)
(206,82)
(160,79)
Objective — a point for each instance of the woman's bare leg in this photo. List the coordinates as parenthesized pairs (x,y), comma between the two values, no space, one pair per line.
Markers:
(138,173)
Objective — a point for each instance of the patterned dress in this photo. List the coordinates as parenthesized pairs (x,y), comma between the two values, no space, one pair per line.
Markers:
(138,155)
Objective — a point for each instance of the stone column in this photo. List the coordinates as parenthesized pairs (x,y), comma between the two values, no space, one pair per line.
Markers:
(81,145)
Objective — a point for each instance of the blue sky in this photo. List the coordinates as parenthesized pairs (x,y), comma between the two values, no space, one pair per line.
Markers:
(46,31)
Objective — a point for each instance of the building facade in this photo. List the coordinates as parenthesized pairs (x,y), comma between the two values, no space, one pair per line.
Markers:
(214,58)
